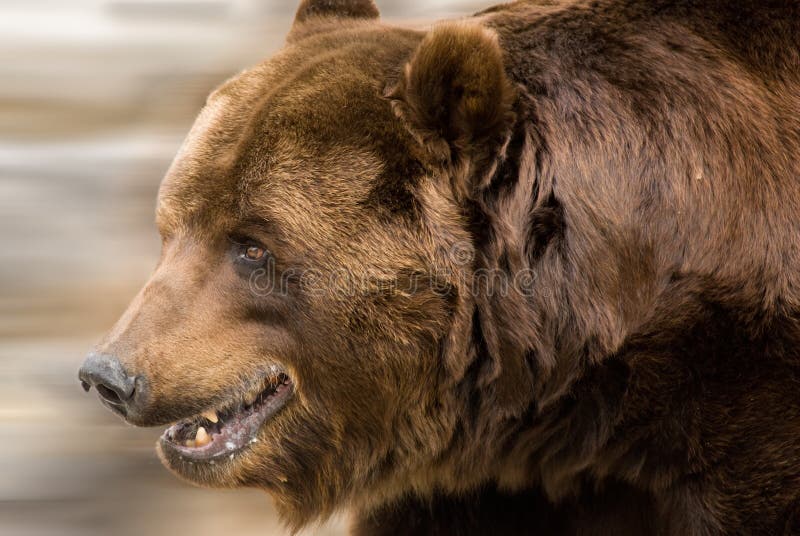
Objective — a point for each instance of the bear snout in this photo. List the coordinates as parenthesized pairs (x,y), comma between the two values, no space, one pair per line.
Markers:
(122,393)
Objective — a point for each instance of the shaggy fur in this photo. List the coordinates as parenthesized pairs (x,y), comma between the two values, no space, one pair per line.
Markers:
(631,164)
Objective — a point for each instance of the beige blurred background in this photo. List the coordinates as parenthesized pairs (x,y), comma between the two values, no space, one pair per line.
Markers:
(95,98)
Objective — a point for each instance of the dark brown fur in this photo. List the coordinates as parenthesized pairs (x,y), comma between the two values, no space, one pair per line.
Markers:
(638,160)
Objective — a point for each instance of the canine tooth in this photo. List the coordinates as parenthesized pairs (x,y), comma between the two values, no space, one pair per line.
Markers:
(211,415)
(190,443)
(202,439)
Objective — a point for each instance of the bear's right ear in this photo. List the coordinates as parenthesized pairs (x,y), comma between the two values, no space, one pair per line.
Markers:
(345,9)
(455,97)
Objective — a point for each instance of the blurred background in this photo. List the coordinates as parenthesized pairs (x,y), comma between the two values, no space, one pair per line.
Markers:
(95,98)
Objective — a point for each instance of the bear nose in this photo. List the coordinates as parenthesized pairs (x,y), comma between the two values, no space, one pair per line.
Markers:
(106,374)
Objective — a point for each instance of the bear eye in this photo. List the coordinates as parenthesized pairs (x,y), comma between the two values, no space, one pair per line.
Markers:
(249,251)
(255,253)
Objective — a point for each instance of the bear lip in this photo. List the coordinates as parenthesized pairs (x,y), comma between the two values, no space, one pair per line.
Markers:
(238,426)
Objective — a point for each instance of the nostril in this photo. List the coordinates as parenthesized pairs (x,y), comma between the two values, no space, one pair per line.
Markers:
(108,394)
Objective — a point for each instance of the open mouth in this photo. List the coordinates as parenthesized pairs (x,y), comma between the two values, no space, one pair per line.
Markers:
(219,433)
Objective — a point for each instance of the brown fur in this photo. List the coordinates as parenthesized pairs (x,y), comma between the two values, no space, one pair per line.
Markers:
(356,9)
(637,161)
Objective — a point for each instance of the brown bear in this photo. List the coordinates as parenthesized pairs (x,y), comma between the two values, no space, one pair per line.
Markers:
(532,272)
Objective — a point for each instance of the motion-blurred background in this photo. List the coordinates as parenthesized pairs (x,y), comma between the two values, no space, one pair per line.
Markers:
(95,98)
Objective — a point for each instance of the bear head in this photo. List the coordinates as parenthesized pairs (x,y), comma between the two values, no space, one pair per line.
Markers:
(308,328)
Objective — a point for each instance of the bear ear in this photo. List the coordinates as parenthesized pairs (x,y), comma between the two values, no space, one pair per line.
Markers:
(455,97)
(345,9)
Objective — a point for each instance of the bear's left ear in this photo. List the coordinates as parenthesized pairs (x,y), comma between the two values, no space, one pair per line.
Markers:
(346,9)
(455,97)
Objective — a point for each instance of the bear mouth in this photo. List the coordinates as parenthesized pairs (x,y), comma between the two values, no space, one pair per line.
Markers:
(220,433)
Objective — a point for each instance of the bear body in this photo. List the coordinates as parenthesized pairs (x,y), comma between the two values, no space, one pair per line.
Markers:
(534,271)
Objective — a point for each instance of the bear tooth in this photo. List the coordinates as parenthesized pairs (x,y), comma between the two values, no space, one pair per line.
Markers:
(190,443)
(211,415)
(202,438)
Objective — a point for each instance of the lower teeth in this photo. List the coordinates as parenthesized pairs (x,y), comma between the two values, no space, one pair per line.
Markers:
(202,438)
